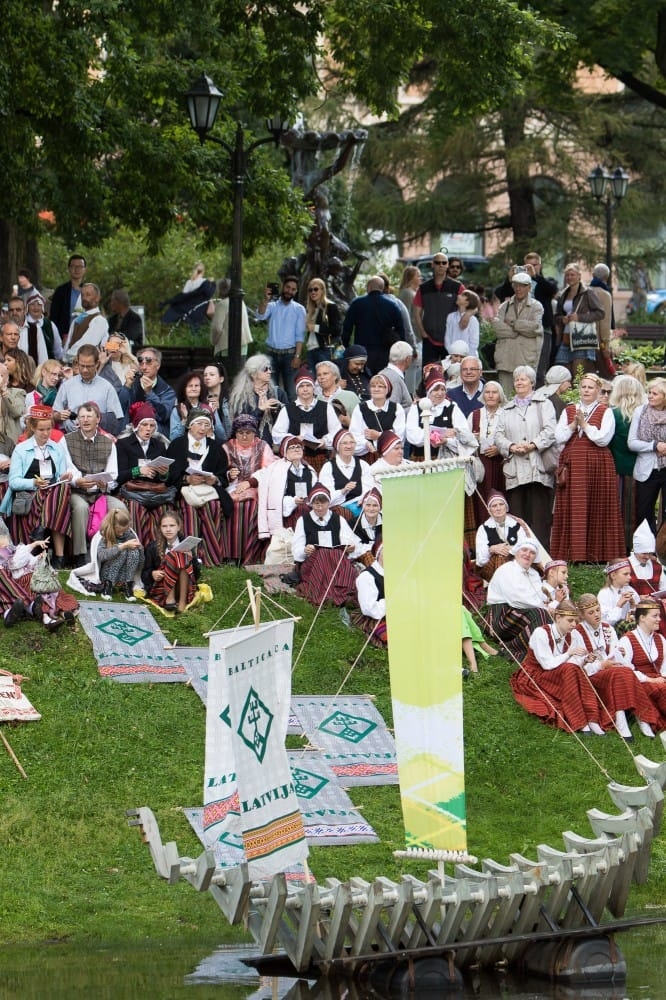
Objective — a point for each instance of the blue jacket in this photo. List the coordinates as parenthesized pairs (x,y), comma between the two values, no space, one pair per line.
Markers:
(22,458)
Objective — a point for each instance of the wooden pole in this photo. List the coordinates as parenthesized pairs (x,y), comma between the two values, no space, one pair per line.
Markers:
(12,755)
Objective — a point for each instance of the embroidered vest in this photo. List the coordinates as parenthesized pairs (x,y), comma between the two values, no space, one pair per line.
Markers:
(493,537)
(379,581)
(307,476)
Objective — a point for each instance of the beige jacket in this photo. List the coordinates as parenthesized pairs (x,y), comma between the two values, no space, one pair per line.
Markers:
(519,332)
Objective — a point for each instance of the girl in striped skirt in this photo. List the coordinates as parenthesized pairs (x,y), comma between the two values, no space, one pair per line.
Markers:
(170,578)
(322,543)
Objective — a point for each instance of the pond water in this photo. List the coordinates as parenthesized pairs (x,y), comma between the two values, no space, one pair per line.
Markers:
(168,970)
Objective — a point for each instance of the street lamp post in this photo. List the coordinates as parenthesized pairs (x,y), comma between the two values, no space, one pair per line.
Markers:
(611,189)
(203,101)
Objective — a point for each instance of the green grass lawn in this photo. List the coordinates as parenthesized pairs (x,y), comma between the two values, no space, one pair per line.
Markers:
(72,869)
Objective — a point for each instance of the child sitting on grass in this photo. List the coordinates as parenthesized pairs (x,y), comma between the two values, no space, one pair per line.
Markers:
(119,554)
(170,578)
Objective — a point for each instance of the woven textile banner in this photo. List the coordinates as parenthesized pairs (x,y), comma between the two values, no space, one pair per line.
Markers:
(248,787)
(423,529)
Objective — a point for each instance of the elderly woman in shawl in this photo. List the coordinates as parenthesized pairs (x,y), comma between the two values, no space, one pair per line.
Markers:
(647,437)
(247,454)
(255,393)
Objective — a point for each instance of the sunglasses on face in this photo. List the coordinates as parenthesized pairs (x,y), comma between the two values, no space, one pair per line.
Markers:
(146,360)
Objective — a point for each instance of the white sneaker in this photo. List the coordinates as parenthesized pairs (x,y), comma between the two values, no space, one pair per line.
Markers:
(646,729)
(596,729)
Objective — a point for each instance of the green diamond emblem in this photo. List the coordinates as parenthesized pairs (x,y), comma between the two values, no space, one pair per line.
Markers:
(352,728)
(255,724)
(306,783)
(124,631)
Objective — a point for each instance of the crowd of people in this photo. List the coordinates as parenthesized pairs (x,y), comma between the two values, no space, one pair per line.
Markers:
(139,483)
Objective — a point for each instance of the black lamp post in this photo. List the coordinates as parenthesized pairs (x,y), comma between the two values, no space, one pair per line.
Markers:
(203,102)
(611,189)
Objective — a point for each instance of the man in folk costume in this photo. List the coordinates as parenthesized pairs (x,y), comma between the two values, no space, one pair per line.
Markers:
(644,650)
(617,685)
(323,545)
(90,327)
(550,683)
(89,451)
(312,420)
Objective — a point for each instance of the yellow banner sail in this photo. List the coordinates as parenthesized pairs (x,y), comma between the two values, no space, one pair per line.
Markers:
(423,530)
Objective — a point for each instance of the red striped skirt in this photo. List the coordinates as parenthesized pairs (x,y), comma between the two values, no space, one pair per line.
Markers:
(207,523)
(562,697)
(620,690)
(242,534)
(14,590)
(375,629)
(328,575)
(145,520)
(50,508)
(172,564)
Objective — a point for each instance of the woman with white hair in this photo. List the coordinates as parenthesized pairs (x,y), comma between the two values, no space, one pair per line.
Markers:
(255,393)
(525,436)
(557,381)
(647,437)
(515,599)
(483,425)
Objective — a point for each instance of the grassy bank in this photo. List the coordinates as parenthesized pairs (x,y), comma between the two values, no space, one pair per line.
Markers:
(73,871)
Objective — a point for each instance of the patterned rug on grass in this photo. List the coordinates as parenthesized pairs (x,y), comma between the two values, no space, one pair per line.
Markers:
(329,816)
(352,736)
(129,645)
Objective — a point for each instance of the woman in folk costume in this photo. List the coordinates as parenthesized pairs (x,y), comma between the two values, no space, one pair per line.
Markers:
(515,599)
(312,420)
(618,687)
(390,452)
(283,488)
(143,489)
(550,684)
(368,527)
(587,525)
(346,477)
(247,455)
(618,598)
(644,650)
(374,416)
(18,601)
(496,536)
(647,573)
(39,465)
(323,546)
(448,426)
(371,600)
(483,424)
(199,472)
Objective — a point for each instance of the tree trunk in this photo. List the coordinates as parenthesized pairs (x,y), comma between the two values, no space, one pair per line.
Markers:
(17,250)
(518,180)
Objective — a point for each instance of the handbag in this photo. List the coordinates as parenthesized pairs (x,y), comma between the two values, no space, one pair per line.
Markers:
(44,579)
(141,485)
(149,497)
(583,337)
(96,514)
(22,502)
(198,496)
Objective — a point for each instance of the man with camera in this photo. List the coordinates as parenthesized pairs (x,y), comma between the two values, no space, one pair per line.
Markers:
(87,387)
(286,332)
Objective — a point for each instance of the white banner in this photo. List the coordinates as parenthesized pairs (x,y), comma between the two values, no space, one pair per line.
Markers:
(249,796)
